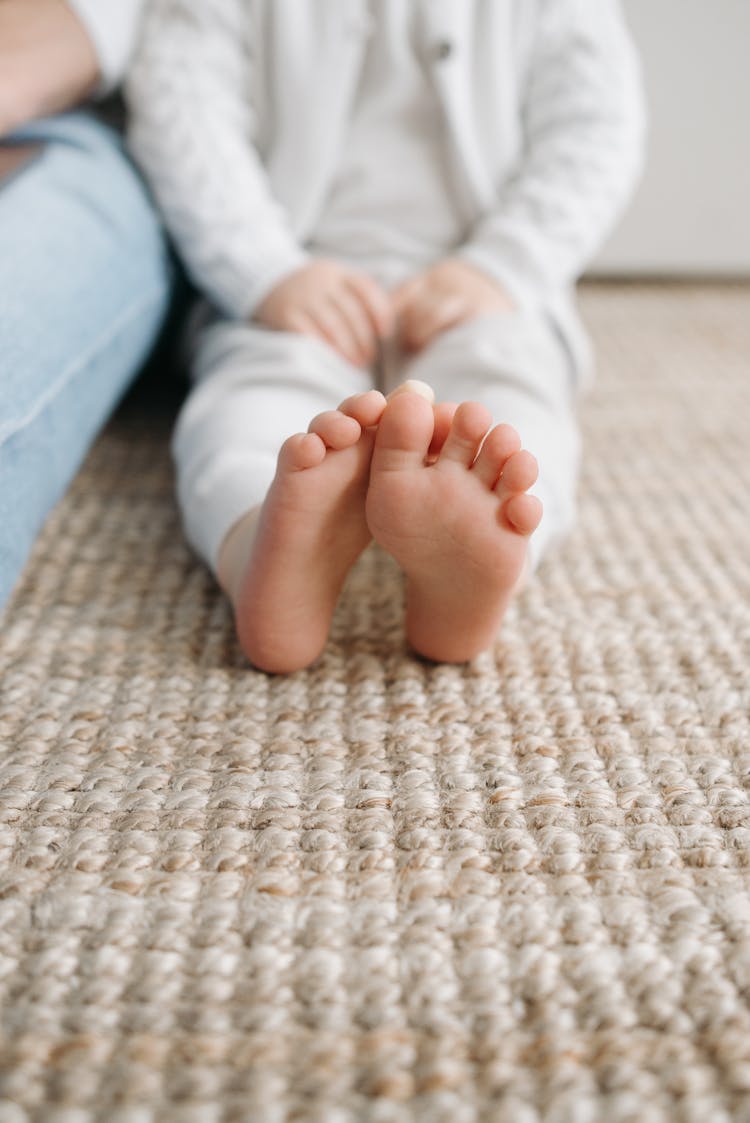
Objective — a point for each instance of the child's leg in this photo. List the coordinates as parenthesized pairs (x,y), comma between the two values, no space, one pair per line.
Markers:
(272,480)
(461,527)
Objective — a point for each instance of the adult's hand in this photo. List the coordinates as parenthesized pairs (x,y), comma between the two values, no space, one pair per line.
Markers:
(444,296)
(47,61)
(342,306)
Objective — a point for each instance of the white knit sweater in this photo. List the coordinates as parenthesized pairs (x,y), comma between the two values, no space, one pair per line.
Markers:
(239,109)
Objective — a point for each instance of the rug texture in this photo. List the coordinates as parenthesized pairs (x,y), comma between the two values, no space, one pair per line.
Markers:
(381,890)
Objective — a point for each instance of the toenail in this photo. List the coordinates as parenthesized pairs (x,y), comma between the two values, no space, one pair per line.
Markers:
(414,386)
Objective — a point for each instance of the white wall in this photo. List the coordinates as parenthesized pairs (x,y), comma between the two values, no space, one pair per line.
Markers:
(691,213)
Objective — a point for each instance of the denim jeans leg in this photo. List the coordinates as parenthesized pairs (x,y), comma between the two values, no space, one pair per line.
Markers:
(85,281)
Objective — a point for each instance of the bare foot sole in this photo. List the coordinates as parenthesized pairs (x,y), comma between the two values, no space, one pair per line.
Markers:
(457,524)
(284,564)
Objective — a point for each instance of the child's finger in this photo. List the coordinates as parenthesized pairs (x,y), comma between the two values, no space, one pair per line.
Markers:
(431,319)
(301,323)
(375,302)
(404,295)
(358,321)
(334,328)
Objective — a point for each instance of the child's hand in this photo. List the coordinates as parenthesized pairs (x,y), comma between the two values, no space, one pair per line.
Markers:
(442,297)
(342,306)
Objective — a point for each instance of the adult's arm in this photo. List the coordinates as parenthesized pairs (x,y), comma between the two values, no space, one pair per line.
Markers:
(192,130)
(584,124)
(55,53)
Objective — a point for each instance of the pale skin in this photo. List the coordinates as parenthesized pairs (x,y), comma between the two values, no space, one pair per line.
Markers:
(47,61)
(439,487)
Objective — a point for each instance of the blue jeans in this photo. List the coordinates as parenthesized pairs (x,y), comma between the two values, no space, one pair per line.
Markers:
(85,282)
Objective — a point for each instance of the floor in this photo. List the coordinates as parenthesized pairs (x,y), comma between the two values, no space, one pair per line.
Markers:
(382,890)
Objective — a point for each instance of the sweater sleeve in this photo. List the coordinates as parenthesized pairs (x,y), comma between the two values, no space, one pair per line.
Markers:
(192,129)
(111,26)
(584,125)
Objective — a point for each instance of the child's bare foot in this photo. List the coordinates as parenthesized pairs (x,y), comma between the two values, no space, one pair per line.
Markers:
(284,564)
(459,527)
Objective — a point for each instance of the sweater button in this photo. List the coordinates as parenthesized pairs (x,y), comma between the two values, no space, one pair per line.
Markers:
(442,50)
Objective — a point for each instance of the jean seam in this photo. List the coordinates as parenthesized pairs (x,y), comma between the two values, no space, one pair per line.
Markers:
(67,375)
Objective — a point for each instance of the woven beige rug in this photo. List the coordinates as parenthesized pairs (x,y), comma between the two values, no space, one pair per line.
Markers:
(380,890)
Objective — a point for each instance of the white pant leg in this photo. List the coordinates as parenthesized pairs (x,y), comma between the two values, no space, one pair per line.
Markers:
(253,388)
(519,368)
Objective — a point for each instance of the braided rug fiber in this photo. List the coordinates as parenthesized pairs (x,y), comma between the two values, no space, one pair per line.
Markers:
(381,890)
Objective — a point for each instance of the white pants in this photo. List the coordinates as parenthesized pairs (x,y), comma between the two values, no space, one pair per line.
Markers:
(255,387)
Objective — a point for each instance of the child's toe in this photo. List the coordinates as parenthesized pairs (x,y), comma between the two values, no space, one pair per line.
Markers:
(303,450)
(470,423)
(404,433)
(335,429)
(500,444)
(519,473)
(523,512)
(443,413)
(365,408)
